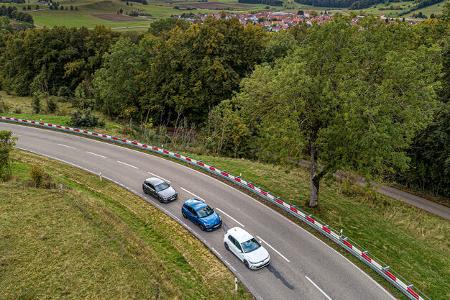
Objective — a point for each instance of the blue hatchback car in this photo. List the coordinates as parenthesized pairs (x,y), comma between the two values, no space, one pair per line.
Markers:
(201,214)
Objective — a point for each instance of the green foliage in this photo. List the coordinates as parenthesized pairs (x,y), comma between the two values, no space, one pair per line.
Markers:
(36,103)
(162,27)
(226,133)
(117,84)
(279,45)
(52,105)
(85,118)
(4,107)
(352,97)
(41,179)
(46,59)
(7,143)
(197,68)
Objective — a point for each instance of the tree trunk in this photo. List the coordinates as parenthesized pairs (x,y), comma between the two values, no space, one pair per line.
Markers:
(315,179)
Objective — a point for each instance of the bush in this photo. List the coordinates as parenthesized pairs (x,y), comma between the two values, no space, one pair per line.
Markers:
(7,143)
(4,108)
(40,179)
(85,118)
(52,106)
(36,103)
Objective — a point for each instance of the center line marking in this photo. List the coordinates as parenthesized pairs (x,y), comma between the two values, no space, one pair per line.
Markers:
(92,153)
(230,217)
(67,146)
(273,249)
(158,176)
(328,297)
(124,163)
(189,192)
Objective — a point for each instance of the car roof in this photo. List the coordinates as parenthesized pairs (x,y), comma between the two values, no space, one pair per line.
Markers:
(154,180)
(195,203)
(240,234)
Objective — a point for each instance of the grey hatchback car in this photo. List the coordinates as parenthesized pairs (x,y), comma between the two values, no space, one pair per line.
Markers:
(159,189)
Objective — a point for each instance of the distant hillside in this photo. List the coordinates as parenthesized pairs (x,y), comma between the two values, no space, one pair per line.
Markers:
(267,2)
(361,4)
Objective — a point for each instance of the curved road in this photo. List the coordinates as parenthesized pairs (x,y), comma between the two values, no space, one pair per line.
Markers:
(302,267)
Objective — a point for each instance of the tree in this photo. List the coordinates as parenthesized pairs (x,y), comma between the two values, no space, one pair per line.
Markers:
(7,143)
(116,84)
(351,98)
(195,69)
(226,133)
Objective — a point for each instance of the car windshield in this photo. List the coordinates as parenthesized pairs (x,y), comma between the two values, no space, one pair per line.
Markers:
(250,245)
(161,186)
(205,211)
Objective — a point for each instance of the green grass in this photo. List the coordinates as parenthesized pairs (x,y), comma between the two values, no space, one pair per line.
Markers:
(435,9)
(93,239)
(413,242)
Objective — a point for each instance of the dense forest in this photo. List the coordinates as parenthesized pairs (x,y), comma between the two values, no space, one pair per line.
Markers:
(361,4)
(371,97)
(267,2)
(12,13)
(339,3)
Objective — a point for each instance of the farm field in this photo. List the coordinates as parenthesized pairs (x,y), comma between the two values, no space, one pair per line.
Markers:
(91,13)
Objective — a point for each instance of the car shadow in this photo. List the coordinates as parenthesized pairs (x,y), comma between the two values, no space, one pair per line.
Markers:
(279,276)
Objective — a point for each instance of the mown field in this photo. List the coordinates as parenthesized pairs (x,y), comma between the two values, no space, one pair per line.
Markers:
(413,242)
(91,12)
(89,238)
(104,12)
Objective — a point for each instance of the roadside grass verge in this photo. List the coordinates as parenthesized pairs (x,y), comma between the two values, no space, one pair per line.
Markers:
(93,239)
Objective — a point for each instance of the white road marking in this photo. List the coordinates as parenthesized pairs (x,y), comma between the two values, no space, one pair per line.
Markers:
(92,153)
(230,217)
(328,297)
(278,252)
(189,192)
(159,177)
(124,163)
(66,146)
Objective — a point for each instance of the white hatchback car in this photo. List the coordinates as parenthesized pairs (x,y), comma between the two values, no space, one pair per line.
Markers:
(246,248)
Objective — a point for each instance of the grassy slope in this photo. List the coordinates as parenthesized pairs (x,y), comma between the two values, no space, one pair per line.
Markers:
(411,241)
(97,240)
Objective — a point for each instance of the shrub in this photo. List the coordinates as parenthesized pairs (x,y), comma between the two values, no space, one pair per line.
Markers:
(7,143)
(52,106)
(85,118)
(3,106)
(17,110)
(36,103)
(41,179)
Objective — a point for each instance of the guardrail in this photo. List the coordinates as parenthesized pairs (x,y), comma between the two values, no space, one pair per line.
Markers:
(375,264)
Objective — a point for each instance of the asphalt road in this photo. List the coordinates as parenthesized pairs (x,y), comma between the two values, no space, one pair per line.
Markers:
(302,267)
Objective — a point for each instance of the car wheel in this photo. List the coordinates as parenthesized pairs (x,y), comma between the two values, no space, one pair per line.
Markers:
(226,246)
(184,216)
(202,227)
(246,264)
